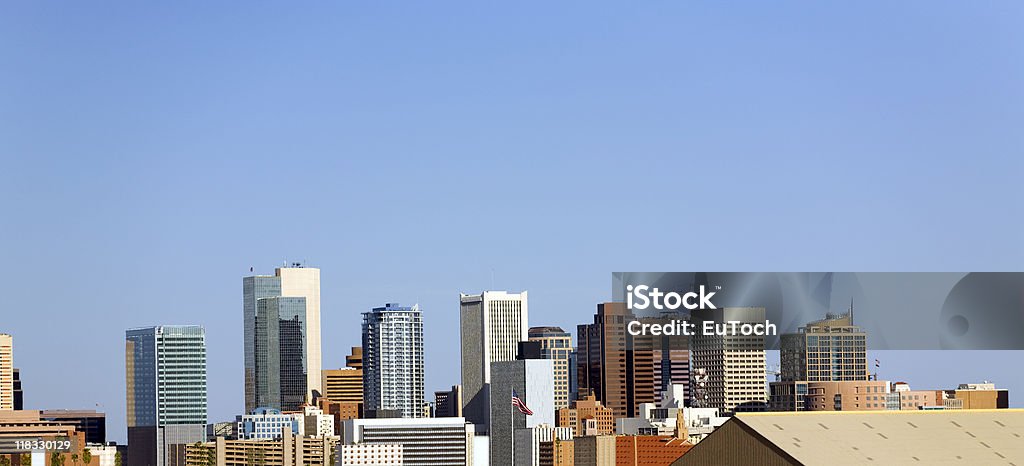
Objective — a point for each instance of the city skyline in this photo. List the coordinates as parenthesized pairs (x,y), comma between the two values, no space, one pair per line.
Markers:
(908,363)
(143,145)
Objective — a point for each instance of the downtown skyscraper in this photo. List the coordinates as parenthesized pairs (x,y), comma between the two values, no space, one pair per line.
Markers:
(625,371)
(733,366)
(165,370)
(393,379)
(556,345)
(492,324)
(832,349)
(6,372)
(281,318)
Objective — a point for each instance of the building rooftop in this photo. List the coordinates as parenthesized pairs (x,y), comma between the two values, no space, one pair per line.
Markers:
(545,330)
(884,437)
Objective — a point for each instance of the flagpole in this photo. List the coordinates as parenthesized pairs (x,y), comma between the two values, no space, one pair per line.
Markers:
(513,418)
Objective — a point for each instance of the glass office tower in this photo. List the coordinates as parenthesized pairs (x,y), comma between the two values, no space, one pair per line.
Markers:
(281,318)
(166,392)
(280,353)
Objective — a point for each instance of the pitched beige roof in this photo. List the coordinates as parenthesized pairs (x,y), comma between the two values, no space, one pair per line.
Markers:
(895,437)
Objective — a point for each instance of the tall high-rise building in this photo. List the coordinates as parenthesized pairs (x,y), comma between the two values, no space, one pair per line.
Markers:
(6,372)
(832,349)
(282,337)
(299,281)
(492,324)
(166,392)
(393,361)
(574,381)
(829,350)
(734,364)
(556,345)
(624,371)
(280,355)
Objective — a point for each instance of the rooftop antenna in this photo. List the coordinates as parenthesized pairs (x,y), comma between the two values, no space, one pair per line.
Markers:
(851,310)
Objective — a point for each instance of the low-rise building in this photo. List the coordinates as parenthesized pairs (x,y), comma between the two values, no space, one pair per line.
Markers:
(851,395)
(980,396)
(448,403)
(28,424)
(370,454)
(288,450)
(901,397)
(648,450)
(425,441)
(103,455)
(341,411)
(266,424)
(697,423)
(313,422)
(670,417)
(582,410)
(92,423)
(527,442)
(557,453)
(598,450)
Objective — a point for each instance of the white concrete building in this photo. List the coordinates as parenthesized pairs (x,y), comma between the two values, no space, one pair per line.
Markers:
(446,441)
(105,454)
(312,422)
(367,454)
(393,377)
(661,418)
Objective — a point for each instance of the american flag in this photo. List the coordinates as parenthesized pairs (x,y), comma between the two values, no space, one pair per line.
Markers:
(520,404)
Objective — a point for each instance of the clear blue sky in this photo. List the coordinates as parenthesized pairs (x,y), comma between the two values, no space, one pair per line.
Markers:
(152,153)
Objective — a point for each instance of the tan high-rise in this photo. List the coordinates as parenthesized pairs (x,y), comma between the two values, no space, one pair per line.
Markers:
(556,344)
(6,372)
(345,385)
(734,364)
(305,282)
(829,350)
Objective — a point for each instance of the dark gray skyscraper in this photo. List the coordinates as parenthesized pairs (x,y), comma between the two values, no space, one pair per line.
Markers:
(166,392)
(280,353)
(254,289)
